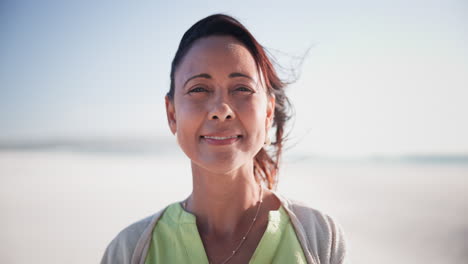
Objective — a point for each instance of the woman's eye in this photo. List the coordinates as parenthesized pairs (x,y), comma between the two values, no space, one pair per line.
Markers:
(198,90)
(244,89)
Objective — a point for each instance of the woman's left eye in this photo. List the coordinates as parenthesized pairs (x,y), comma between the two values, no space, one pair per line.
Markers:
(243,89)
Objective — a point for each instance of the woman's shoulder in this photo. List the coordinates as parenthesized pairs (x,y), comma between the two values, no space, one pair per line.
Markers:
(310,215)
(305,212)
(321,233)
(130,242)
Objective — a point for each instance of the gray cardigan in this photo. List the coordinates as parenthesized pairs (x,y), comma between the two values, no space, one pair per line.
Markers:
(321,238)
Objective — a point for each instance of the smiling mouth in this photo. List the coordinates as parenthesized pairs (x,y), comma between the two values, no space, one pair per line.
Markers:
(220,138)
(218,141)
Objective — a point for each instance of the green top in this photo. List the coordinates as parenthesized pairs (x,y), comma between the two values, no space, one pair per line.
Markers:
(176,239)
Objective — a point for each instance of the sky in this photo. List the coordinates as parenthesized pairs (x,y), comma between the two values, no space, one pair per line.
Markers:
(379,77)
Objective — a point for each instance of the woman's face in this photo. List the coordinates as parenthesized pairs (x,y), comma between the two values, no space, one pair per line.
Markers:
(220,111)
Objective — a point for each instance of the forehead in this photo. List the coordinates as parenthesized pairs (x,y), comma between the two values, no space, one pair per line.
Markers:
(218,56)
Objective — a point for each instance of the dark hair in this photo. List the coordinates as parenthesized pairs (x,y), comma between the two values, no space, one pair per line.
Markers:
(266,166)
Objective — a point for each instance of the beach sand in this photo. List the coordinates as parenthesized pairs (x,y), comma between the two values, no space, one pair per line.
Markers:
(65,207)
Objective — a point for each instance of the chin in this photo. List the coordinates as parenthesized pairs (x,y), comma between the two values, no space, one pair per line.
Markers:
(221,164)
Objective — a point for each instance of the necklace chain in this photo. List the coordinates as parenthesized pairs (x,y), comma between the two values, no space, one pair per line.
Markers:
(244,238)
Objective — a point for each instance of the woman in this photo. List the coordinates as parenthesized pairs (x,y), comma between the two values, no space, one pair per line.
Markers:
(224,97)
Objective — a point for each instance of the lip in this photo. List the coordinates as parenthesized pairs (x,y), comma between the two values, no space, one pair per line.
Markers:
(219,140)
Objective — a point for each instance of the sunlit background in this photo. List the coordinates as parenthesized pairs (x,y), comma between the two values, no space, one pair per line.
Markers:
(379,139)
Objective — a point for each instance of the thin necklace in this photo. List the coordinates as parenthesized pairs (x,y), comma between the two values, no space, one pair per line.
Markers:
(248,230)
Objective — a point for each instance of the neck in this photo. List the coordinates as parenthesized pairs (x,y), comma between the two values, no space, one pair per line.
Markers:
(223,202)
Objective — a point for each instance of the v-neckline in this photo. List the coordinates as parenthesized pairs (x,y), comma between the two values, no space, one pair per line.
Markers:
(270,240)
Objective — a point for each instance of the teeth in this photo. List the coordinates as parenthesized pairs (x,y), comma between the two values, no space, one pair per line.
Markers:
(220,138)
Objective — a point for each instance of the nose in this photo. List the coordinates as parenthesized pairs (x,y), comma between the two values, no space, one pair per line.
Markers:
(221,111)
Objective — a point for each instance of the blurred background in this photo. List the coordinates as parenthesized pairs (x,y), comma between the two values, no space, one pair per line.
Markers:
(379,136)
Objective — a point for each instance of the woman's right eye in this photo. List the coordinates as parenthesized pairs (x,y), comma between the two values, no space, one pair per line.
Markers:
(198,90)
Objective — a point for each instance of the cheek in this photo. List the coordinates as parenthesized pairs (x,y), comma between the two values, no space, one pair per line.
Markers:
(188,116)
(253,115)
(254,109)
(192,104)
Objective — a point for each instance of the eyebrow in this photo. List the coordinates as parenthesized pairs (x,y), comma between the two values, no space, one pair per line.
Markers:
(207,76)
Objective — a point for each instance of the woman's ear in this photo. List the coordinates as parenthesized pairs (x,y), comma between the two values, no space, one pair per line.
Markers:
(271,101)
(171,115)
